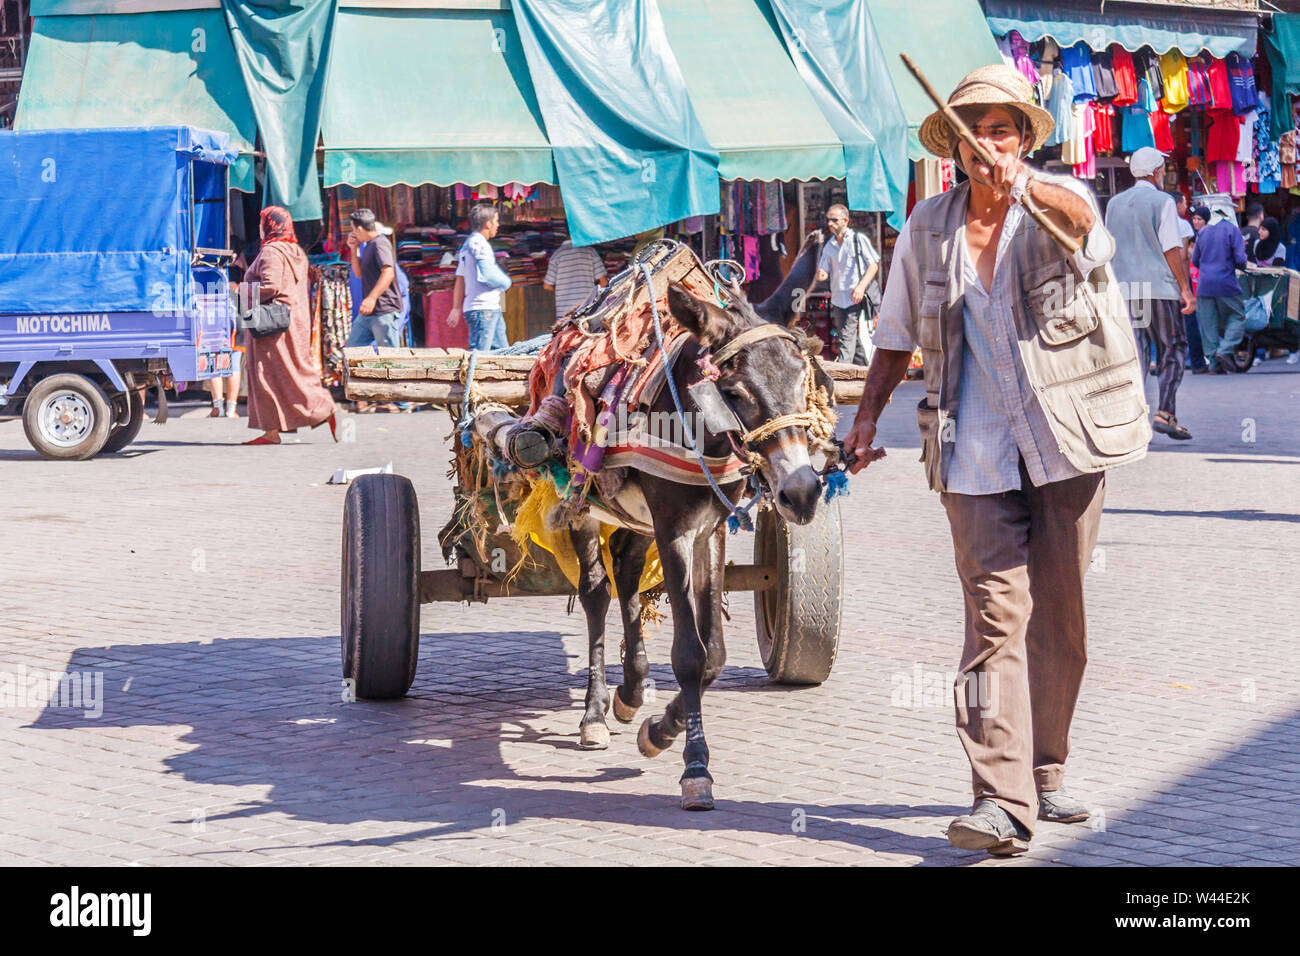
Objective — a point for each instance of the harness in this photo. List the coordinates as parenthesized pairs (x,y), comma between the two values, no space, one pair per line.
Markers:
(818,420)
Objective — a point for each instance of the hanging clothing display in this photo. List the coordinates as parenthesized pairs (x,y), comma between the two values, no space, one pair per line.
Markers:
(1198,82)
(1246,138)
(1103,76)
(1082,155)
(1060,104)
(332,308)
(1173,72)
(1160,132)
(1077,63)
(1241,83)
(1103,127)
(1148,64)
(1220,88)
(1125,77)
(1225,129)
(1230,177)
(1135,129)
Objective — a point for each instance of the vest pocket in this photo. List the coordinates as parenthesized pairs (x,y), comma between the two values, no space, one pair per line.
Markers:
(1114,418)
(1063,306)
(927,419)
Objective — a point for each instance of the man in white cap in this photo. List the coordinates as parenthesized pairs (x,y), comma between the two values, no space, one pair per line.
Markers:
(1033,389)
(1150,267)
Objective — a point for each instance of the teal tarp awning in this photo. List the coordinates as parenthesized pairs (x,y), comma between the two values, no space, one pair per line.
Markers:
(629,150)
(472,118)
(1282,46)
(946,38)
(147,69)
(835,48)
(283,48)
(754,108)
(1069,21)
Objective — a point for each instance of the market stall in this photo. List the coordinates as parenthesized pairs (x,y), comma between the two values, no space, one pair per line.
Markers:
(1192,83)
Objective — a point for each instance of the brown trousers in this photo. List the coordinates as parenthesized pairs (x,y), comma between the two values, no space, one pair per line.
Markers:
(1021,557)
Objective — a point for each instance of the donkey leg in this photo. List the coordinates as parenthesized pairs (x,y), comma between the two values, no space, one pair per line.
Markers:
(593,593)
(629,562)
(709,577)
(708,568)
(689,660)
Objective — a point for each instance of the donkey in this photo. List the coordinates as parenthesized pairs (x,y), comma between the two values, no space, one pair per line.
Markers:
(764,380)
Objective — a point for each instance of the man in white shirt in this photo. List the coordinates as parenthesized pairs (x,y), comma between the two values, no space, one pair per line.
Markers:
(479,283)
(573,273)
(849,265)
(1150,268)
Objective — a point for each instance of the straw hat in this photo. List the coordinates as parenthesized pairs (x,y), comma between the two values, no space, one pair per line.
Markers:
(996,85)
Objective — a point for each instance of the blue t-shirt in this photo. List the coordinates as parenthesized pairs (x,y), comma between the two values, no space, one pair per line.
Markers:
(484,280)
(1077,61)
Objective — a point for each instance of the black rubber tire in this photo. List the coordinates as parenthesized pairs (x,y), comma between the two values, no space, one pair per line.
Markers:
(799,618)
(123,435)
(381,586)
(97,414)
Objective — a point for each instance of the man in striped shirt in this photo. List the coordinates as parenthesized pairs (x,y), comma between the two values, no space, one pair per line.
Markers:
(573,274)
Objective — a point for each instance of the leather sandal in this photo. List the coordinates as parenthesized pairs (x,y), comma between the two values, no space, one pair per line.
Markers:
(1166,424)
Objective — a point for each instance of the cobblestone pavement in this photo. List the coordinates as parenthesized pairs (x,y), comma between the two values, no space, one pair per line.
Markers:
(201,580)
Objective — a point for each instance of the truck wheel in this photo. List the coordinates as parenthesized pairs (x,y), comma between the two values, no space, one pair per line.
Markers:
(381,586)
(67,417)
(123,435)
(798,618)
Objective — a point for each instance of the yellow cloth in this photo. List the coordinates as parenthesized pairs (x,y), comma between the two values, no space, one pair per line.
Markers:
(1173,71)
(530,525)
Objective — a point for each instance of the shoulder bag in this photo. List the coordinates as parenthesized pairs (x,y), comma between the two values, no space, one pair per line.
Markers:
(263,319)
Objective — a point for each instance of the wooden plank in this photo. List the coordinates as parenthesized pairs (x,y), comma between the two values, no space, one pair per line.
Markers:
(514,394)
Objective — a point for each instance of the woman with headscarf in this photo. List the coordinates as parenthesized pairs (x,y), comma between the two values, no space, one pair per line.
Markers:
(284,389)
(1268,249)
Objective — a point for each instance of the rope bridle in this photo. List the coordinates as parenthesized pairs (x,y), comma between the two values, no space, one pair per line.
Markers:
(819,419)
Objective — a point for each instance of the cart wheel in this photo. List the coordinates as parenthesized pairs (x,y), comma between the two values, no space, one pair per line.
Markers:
(799,617)
(67,417)
(381,585)
(123,435)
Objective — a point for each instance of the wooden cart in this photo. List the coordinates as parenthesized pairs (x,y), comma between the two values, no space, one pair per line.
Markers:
(796,577)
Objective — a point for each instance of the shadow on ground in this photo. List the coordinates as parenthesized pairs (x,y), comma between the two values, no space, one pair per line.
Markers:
(270,713)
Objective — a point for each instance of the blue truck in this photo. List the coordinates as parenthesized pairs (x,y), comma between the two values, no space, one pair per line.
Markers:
(113,256)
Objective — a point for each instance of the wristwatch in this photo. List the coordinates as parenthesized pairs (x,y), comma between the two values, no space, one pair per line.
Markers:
(1020,187)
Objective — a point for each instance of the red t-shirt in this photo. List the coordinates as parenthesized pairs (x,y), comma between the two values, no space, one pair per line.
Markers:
(1225,129)
(1160,130)
(1125,76)
(1220,89)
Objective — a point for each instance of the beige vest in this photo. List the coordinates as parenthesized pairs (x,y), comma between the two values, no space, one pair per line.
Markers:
(1075,339)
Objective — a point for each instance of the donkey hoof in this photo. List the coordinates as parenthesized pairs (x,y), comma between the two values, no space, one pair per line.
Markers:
(697,793)
(593,737)
(622,712)
(643,742)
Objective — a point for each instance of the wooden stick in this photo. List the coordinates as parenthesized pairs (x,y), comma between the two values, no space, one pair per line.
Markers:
(1063,239)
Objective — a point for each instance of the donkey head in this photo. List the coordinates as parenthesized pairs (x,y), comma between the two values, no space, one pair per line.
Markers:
(762,382)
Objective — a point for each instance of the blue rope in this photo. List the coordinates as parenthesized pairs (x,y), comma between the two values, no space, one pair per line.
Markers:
(467,418)
(739,517)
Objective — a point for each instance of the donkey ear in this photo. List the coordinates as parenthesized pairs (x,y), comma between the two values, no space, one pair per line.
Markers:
(695,316)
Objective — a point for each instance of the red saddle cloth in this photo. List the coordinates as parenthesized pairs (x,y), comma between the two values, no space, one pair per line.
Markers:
(592,358)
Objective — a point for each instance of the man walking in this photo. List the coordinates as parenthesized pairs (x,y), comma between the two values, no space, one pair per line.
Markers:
(573,274)
(1219,252)
(480,282)
(379,318)
(1150,267)
(849,265)
(1033,390)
